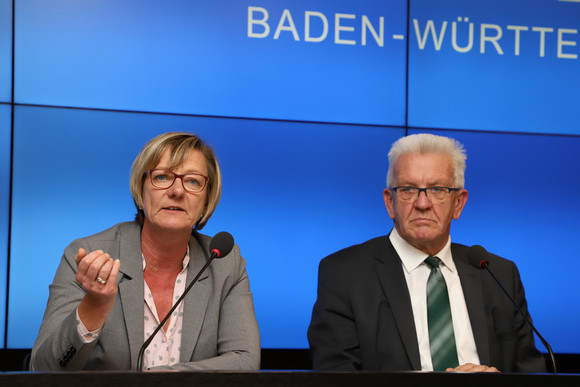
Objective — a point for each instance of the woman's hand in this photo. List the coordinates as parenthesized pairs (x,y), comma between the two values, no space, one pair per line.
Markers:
(97,274)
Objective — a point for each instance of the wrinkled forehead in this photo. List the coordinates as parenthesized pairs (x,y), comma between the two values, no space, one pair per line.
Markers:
(423,169)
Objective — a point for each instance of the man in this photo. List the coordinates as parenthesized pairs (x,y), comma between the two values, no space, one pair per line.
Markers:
(382,306)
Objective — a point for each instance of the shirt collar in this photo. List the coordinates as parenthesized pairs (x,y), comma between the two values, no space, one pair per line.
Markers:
(413,257)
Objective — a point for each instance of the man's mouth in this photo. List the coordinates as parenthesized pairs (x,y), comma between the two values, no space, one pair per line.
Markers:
(421,220)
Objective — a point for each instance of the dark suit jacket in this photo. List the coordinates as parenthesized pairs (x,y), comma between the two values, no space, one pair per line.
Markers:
(363,320)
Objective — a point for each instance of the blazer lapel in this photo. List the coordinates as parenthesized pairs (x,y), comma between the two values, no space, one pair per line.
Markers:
(390,272)
(131,289)
(195,303)
(473,293)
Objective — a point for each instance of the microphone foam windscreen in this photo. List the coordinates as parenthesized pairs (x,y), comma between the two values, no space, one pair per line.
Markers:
(223,242)
(475,255)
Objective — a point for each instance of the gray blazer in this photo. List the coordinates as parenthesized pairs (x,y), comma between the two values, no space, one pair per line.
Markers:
(220,328)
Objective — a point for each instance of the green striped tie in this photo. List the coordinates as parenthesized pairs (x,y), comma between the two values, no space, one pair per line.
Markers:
(441,337)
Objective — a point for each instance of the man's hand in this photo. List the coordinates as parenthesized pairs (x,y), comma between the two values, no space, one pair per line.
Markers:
(469,367)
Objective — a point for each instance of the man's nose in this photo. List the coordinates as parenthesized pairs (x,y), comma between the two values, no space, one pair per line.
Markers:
(422,200)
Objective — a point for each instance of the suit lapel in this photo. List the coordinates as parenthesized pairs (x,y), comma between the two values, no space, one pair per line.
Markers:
(390,272)
(473,293)
(195,303)
(131,289)
(131,293)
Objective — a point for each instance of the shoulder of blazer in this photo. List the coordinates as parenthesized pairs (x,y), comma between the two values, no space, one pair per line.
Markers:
(369,249)
(357,260)
(459,253)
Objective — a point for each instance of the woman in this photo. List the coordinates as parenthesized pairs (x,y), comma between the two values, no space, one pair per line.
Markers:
(112,289)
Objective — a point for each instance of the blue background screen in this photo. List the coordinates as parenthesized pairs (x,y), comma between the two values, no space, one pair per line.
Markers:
(301,101)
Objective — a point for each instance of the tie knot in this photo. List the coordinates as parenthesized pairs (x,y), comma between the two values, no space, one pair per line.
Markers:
(432,261)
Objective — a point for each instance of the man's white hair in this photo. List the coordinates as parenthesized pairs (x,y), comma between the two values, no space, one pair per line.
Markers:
(429,143)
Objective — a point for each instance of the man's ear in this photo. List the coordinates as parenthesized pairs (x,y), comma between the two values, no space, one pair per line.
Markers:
(460,201)
(389,202)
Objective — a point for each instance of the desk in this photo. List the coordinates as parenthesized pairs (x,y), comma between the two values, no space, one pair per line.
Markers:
(283,379)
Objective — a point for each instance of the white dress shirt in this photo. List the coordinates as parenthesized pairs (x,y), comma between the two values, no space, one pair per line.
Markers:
(416,273)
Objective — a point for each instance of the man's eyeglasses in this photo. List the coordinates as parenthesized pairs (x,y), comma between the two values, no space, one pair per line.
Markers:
(405,192)
(164,178)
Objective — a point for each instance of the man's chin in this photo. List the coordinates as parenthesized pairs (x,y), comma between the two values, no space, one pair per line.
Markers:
(424,233)
(422,236)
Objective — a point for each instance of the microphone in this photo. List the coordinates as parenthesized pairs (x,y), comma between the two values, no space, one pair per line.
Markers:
(220,246)
(476,256)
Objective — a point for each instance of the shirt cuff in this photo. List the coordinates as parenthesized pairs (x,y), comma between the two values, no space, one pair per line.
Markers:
(88,337)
